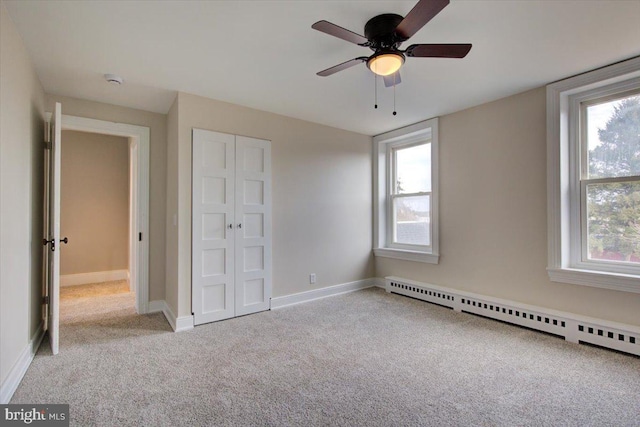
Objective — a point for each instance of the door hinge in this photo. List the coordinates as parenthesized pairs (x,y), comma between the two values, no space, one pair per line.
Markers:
(139,237)
(45,300)
(45,242)
(47,132)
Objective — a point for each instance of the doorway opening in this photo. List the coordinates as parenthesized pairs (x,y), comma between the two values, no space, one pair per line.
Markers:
(95,219)
(137,238)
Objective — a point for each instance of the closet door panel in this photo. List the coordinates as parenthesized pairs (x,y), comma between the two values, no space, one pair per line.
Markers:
(213,219)
(253,229)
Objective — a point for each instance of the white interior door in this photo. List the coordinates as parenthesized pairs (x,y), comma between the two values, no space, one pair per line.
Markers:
(54,227)
(213,170)
(253,229)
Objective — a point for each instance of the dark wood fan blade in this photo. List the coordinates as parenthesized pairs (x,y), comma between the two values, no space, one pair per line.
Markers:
(459,50)
(339,32)
(340,67)
(392,79)
(421,13)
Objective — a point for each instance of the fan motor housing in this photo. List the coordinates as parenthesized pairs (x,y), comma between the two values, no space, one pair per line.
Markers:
(381,30)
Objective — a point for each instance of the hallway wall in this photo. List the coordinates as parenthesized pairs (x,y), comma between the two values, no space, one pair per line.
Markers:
(95,203)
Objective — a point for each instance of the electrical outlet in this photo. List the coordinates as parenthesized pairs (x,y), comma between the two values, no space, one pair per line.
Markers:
(312,278)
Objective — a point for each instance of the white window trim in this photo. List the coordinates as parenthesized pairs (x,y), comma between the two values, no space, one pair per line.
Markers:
(419,131)
(563,214)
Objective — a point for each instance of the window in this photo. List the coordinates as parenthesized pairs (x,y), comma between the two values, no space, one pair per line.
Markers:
(406,185)
(610,181)
(593,132)
(410,196)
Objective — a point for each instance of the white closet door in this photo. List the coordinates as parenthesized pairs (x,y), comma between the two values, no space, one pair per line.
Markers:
(213,226)
(253,229)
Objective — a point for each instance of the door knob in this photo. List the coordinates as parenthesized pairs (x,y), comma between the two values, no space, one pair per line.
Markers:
(230,226)
(65,240)
(239,225)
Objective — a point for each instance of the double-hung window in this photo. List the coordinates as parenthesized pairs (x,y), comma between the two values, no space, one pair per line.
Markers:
(410,196)
(609,188)
(593,127)
(406,186)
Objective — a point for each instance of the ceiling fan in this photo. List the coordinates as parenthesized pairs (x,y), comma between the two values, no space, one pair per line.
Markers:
(385,33)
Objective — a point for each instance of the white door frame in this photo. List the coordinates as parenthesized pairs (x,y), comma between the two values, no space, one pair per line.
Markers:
(139,203)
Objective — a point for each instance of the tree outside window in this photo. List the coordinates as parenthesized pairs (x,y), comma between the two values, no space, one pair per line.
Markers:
(612,185)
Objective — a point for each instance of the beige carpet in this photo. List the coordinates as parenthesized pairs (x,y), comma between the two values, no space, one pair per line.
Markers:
(366,358)
(95,300)
(92,290)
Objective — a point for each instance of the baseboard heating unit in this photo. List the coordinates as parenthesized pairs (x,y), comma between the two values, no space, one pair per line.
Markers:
(571,327)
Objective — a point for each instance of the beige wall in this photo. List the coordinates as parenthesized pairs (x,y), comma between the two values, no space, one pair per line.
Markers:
(95,202)
(322,217)
(157,123)
(21,192)
(493,210)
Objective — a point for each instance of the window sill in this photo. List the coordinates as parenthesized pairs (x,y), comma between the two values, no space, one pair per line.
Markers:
(407,255)
(597,279)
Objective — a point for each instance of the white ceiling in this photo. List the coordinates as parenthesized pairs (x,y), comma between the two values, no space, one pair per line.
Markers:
(264,54)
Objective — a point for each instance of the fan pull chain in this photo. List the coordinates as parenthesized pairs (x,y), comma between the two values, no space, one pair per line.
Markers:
(375,85)
(394,95)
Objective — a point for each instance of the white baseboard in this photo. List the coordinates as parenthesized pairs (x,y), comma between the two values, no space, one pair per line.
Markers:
(93,277)
(379,282)
(184,323)
(156,306)
(287,300)
(16,373)
(572,327)
(179,324)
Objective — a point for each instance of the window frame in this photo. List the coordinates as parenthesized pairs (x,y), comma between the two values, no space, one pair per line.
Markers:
(384,246)
(566,186)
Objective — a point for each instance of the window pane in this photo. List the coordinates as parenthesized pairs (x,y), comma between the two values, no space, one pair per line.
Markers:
(613,138)
(413,169)
(613,221)
(412,220)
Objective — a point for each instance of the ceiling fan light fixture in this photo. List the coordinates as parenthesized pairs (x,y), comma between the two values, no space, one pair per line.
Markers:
(385,63)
